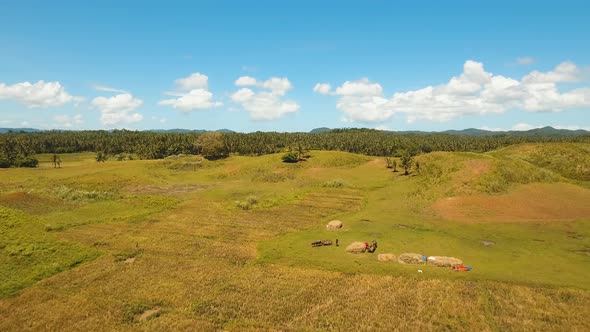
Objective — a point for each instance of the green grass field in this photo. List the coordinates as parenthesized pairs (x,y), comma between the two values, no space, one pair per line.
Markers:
(190,244)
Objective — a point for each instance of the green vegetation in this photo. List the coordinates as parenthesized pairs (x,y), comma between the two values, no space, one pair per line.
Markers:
(211,145)
(67,193)
(16,149)
(28,253)
(407,160)
(290,157)
(224,244)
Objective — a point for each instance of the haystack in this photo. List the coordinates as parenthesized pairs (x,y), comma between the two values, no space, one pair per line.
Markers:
(334,225)
(386,257)
(443,261)
(356,248)
(410,258)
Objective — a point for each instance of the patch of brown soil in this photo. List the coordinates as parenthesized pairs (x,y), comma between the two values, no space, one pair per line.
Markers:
(30,203)
(532,202)
(472,170)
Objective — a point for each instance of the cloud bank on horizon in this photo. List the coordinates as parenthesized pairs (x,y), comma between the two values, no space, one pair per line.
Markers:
(473,92)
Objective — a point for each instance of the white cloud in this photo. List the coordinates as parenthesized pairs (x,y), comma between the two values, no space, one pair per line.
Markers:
(278,85)
(266,103)
(322,88)
(198,97)
(194,99)
(525,60)
(67,121)
(38,95)
(362,87)
(118,109)
(108,89)
(524,127)
(564,72)
(245,81)
(491,128)
(383,127)
(193,81)
(574,127)
(475,91)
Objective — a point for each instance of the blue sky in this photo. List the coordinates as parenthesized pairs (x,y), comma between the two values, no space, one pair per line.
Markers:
(247,66)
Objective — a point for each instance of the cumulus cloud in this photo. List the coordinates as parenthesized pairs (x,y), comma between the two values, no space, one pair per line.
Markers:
(246,81)
(193,94)
(118,109)
(193,81)
(67,121)
(266,103)
(322,88)
(38,95)
(362,87)
(474,91)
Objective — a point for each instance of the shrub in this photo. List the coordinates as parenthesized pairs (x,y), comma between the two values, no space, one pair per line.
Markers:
(290,157)
(334,184)
(248,203)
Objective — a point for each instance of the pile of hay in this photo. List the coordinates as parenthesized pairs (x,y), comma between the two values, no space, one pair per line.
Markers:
(410,258)
(334,225)
(386,257)
(443,261)
(356,248)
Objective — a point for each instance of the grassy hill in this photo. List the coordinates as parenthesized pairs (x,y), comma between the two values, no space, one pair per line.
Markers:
(185,243)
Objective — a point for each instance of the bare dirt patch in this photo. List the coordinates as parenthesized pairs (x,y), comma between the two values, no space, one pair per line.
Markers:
(532,202)
(471,171)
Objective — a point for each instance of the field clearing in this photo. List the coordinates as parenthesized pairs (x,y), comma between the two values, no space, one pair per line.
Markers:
(532,202)
(102,246)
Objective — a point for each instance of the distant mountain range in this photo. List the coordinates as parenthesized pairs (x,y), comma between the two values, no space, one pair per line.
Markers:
(545,131)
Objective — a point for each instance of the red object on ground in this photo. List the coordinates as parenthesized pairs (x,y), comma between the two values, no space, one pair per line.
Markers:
(461,268)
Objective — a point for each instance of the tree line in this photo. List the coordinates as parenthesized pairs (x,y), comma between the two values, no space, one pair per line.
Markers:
(18,149)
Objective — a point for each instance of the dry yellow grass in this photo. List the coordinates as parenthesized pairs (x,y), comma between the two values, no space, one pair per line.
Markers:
(197,263)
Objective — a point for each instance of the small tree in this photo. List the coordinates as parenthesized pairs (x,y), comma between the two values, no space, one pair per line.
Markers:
(211,145)
(389,162)
(394,164)
(290,157)
(406,161)
(56,160)
(101,157)
(417,166)
(301,151)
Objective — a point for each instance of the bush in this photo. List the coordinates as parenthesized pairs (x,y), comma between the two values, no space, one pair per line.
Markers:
(290,157)
(334,184)
(248,203)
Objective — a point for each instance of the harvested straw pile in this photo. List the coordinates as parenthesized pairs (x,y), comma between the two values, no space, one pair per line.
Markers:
(386,257)
(443,261)
(410,258)
(334,225)
(356,248)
